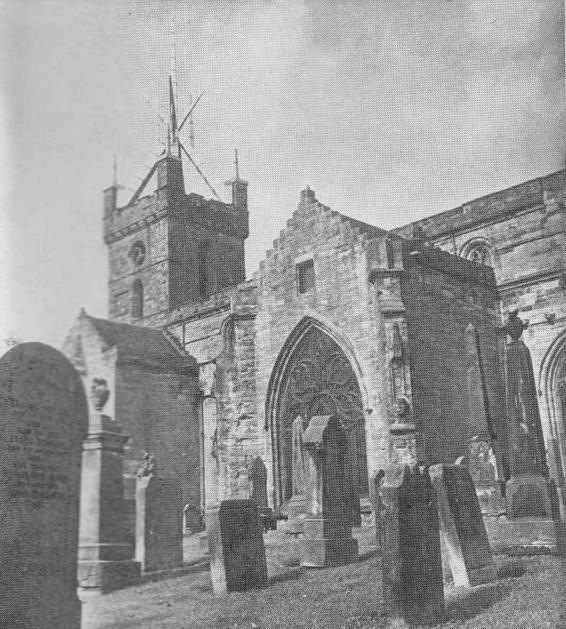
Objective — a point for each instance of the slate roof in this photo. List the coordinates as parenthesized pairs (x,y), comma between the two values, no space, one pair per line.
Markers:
(137,344)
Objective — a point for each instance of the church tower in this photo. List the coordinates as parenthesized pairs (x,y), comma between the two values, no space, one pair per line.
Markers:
(167,248)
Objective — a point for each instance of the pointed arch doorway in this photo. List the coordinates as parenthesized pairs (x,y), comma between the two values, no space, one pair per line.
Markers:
(313,376)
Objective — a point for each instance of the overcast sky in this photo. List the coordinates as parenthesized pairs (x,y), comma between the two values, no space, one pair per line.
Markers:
(390,110)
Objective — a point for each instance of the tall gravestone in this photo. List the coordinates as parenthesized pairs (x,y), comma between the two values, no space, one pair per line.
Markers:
(257,476)
(411,556)
(461,525)
(105,557)
(531,499)
(237,551)
(328,525)
(159,522)
(527,490)
(43,421)
(482,465)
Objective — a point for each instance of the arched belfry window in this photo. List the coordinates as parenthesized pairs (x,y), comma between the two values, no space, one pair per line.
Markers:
(137,299)
(318,379)
(478,251)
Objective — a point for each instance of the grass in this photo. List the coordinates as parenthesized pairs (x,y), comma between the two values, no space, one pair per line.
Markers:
(527,595)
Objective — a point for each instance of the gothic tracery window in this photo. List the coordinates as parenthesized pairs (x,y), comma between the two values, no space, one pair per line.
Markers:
(320,381)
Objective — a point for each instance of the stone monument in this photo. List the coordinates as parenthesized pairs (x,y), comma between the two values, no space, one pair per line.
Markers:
(530,495)
(482,465)
(105,558)
(461,526)
(159,519)
(43,421)
(411,558)
(327,527)
(237,551)
(257,476)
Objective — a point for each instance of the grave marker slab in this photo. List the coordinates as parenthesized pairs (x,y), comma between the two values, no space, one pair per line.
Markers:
(159,523)
(237,551)
(43,421)
(411,559)
(462,527)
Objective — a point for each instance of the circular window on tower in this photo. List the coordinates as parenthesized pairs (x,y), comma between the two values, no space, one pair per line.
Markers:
(479,252)
(137,253)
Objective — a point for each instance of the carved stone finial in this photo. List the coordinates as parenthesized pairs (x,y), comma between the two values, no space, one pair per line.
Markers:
(514,326)
(99,393)
(147,466)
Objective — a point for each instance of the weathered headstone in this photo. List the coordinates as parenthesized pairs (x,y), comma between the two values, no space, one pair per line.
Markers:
(257,476)
(327,528)
(159,523)
(411,559)
(461,525)
(105,557)
(237,551)
(43,421)
(482,465)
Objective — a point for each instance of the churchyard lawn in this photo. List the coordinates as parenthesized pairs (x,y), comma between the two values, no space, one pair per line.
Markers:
(528,594)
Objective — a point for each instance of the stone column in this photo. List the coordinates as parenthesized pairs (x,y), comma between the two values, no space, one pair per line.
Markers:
(386,275)
(105,561)
(211,470)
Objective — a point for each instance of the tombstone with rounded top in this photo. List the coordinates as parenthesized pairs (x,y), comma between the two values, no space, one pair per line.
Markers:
(43,421)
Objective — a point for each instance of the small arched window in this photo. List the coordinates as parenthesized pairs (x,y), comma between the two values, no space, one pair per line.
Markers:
(137,299)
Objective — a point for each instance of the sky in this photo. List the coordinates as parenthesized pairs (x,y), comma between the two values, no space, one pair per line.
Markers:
(391,110)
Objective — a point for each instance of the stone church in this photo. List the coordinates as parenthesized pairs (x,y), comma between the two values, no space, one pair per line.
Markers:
(209,370)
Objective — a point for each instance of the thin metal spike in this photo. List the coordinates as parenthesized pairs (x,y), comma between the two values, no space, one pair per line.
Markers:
(190,111)
(200,172)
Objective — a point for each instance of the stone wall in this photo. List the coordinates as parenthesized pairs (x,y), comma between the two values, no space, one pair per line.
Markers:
(153,272)
(158,411)
(193,246)
(524,230)
(442,297)
(341,304)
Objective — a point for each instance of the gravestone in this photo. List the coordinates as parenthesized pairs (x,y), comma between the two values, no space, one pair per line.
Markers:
(482,465)
(461,525)
(532,523)
(159,523)
(328,524)
(43,421)
(411,558)
(257,476)
(237,551)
